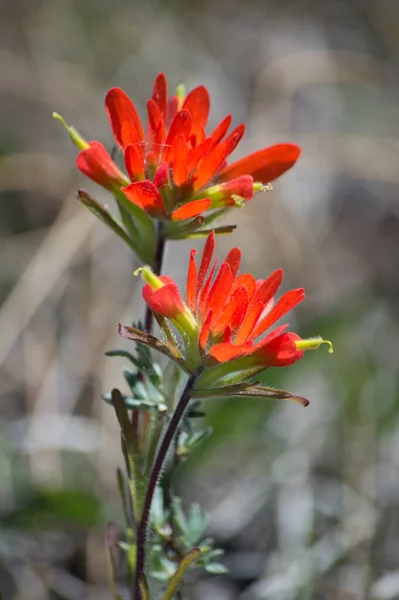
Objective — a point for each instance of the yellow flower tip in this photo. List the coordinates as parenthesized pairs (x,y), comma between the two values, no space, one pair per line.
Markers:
(258,186)
(314,344)
(73,133)
(149,277)
(58,116)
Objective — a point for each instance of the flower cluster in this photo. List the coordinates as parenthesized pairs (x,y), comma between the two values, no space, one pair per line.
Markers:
(176,170)
(224,317)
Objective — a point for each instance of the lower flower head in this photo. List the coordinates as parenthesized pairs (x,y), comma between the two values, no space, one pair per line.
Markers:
(229,318)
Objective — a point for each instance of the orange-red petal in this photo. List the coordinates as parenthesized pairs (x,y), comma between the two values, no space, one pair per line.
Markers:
(180,160)
(269,287)
(246,280)
(252,315)
(234,311)
(212,162)
(203,295)
(226,351)
(220,131)
(181,125)
(206,258)
(197,103)
(219,291)
(190,209)
(124,118)
(264,165)
(205,331)
(191,281)
(198,154)
(134,162)
(233,258)
(287,302)
(160,94)
(145,195)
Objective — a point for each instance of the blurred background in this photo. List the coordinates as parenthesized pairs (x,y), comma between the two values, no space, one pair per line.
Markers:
(304,501)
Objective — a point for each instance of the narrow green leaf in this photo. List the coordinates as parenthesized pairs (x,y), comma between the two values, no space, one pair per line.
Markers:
(123,418)
(86,200)
(124,354)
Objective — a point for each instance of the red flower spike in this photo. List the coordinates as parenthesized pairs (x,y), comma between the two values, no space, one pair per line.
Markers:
(223,318)
(124,119)
(96,163)
(176,135)
(146,195)
(265,165)
(190,209)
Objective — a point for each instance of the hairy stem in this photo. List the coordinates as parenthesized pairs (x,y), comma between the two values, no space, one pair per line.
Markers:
(155,473)
(159,253)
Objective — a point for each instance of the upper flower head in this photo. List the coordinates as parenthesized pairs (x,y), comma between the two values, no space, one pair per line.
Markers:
(225,315)
(177,169)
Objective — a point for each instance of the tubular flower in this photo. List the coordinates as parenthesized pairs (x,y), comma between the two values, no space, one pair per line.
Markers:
(228,321)
(176,170)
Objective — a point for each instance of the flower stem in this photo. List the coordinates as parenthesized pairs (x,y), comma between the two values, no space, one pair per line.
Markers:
(154,476)
(159,254)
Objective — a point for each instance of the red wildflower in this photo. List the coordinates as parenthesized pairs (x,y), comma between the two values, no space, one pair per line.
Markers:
(231,312)
(172,161)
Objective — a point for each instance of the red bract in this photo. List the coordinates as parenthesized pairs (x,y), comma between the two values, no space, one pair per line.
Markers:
(176,143)
(231,311)
(96,163)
